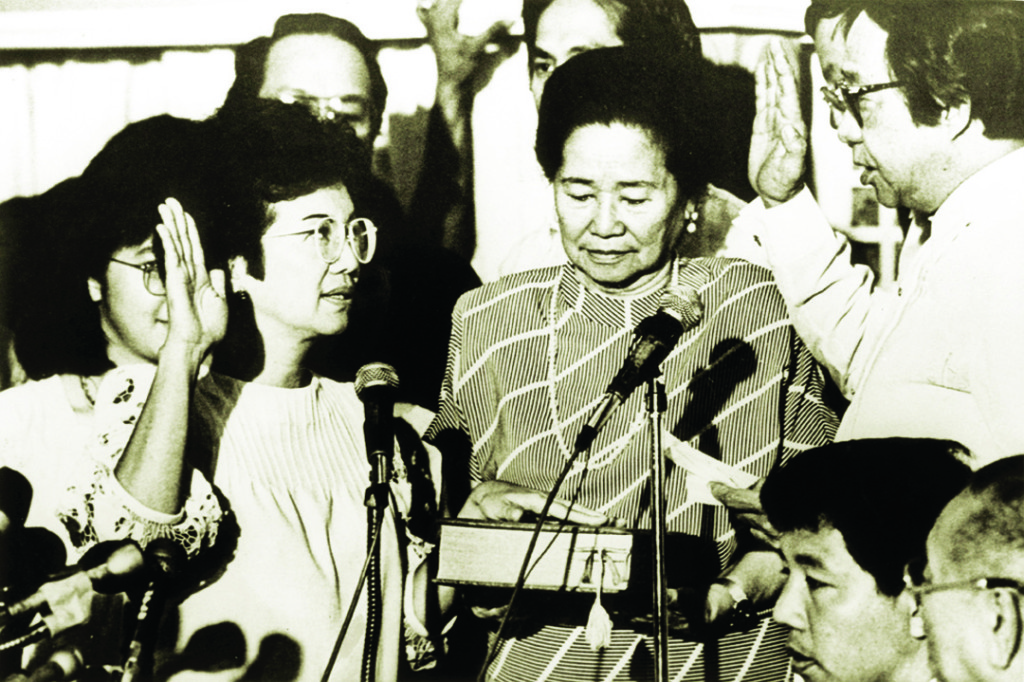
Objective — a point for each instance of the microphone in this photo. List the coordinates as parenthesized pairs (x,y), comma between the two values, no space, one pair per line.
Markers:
(70,598)
(164,561)
(376,385)
(653,340)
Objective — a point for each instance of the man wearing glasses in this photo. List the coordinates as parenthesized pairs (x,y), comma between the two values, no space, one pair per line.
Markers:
(929,96)
(851,515)
(970,595)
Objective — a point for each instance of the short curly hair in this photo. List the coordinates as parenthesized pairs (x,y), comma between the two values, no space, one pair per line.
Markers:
(269,152)
(664,97)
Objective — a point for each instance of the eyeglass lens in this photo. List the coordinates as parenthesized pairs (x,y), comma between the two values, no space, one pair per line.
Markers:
(841,100)
(358,233)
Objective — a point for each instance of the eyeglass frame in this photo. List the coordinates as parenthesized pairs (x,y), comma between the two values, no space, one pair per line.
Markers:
(324,108)
(848,99)
(987,583)
(371,231)
(148,269)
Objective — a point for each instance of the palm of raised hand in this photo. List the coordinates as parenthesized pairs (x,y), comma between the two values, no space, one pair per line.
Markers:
(196,303)
(779,142)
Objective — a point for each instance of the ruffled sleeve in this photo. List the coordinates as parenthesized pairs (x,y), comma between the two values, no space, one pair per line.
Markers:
(96,507)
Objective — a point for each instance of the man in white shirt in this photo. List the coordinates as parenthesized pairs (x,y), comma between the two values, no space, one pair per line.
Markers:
(930,100)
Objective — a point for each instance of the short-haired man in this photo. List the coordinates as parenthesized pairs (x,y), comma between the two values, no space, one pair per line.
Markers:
(851,515)
(931,103)
(970,597)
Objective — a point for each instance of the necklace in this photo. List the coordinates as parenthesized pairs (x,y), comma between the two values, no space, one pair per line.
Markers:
(552,373)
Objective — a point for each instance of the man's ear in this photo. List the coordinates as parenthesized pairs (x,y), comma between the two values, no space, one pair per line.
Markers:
(95,290)
(1006,632)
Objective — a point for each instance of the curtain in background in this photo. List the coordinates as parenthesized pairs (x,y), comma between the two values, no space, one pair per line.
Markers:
(59,108)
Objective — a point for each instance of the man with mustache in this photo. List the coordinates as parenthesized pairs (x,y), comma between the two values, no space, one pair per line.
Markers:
(851,515)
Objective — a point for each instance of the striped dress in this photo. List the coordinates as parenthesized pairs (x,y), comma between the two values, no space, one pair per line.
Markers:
(531,356)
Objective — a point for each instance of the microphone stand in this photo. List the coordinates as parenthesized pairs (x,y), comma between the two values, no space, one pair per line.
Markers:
(376,501)
(656,402)
(376,508)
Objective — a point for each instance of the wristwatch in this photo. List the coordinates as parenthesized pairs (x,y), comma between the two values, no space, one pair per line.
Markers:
(743,614)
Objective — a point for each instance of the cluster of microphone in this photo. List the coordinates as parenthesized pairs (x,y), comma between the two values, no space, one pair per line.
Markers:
(65,601)
(45,615)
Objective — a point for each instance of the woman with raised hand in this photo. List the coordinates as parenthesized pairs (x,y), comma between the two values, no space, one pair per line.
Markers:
(623,139)
(101,314)
(285,446)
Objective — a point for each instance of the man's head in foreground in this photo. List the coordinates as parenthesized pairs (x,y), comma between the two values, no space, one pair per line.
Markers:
(969,595)
(851,515)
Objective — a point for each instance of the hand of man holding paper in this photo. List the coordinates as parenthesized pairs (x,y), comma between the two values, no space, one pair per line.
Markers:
(746,504)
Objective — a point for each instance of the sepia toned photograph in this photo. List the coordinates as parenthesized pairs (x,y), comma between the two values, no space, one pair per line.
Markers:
(512,340)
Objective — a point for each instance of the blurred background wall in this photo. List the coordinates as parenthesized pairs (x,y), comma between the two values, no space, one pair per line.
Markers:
(74,72)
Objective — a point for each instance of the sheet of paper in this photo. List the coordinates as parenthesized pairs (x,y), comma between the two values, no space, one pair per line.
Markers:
(701,469)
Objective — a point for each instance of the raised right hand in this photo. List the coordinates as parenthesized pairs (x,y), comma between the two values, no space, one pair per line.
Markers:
(779,142)
(501,501)
(458,56)
(196,301)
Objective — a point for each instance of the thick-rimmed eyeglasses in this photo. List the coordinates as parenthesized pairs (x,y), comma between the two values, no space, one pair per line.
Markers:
(915,584)
(330,238)
(151,278)
(843,98)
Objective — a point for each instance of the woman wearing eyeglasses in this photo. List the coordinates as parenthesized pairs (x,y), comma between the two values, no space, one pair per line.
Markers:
(284,446)
(94,319)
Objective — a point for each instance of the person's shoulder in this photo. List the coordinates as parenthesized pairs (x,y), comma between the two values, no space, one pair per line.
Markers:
(729,273)
(737,285)
(31,393)
(510,291)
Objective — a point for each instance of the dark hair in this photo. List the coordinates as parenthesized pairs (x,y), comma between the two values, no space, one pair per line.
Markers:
(664,97)
(270,152)
(251,59)
(82,222)
(948,53)
(883,495)
(662,26)
(995,531)
(828,9)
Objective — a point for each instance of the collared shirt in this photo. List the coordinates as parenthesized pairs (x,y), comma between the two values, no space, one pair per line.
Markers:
(942,355)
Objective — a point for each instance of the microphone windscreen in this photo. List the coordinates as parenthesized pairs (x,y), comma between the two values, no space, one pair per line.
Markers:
(683,303)
(165,557)
(15,496)
(375,374)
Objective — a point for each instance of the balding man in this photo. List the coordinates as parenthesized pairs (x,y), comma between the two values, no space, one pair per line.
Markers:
(970,596)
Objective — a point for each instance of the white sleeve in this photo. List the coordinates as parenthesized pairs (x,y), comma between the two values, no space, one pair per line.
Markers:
(96,507)
(829,298)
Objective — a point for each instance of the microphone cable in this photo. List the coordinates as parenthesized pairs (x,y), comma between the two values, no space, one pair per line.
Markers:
(525,568)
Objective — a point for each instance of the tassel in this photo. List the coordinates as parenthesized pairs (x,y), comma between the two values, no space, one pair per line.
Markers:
(599,625)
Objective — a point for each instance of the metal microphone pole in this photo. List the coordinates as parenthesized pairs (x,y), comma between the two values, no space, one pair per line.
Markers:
(376,507)
(656,402)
